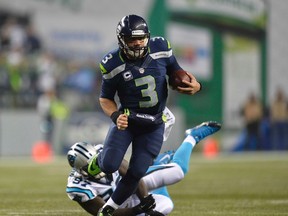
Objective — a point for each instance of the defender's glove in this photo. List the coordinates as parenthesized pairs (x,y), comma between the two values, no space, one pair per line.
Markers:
(154,213)
(146,205)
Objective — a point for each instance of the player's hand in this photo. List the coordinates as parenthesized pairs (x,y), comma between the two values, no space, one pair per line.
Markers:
(193,86)
(154,213)
(122,122)
(147,204)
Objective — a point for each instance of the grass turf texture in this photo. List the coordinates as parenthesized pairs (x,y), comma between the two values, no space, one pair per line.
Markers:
(245,184)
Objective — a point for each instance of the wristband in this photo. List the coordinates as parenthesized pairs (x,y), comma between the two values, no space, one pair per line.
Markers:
(114,116)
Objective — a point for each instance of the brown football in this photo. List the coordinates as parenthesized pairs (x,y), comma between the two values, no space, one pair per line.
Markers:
(176,77)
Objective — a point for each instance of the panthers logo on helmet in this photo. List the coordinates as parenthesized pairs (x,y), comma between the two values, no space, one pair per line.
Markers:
(79,154)
(71,160)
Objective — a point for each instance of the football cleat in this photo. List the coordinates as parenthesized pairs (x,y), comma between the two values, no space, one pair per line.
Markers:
(203,130)
(164,158)
(106,211)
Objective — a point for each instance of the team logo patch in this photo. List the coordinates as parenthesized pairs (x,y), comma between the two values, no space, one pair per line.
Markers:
(141,70)
(127,76)
(71,160)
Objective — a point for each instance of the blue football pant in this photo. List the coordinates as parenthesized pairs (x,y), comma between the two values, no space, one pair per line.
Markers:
(146,145)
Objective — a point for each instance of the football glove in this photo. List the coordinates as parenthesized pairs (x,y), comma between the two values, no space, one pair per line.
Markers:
(154,213)
(146,205)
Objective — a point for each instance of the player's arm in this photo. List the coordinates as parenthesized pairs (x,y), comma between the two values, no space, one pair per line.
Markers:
(110,108)
(192,87)
(92,206)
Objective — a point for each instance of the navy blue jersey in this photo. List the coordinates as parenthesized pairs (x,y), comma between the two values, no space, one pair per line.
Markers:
(141,85)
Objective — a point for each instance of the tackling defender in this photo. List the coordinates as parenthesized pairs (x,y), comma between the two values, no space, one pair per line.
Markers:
(91,192)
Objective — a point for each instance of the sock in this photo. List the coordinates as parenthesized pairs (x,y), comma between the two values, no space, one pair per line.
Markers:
(111,203)
(190,139)
(183,153)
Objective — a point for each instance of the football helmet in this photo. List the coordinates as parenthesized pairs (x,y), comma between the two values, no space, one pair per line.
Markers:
(80,154)
(129,28)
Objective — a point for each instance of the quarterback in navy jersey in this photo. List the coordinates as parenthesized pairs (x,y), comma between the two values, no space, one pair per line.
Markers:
(140,84)
(137,72)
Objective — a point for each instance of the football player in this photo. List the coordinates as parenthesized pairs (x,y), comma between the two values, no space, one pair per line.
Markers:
(91,192)
(137,71)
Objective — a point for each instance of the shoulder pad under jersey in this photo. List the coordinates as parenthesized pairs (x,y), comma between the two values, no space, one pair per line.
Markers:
(158,44)
(111,61)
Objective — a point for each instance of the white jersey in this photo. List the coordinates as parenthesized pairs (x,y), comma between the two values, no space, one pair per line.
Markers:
(170,121)
(81,189)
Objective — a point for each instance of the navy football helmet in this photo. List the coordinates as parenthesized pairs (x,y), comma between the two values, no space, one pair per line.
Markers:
(133,27)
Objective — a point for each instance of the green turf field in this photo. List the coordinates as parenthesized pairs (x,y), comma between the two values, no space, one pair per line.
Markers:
(229,185)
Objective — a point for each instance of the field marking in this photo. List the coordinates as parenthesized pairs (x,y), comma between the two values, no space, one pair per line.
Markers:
(46,212)
(278,202)
(243,157)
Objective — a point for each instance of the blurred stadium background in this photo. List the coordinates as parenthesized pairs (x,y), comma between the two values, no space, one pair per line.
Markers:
(50,82)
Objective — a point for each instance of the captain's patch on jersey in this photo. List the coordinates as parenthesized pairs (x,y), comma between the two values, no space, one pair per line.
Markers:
(127,75)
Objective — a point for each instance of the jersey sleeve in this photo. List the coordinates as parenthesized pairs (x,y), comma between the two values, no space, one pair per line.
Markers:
(108,89)
(162,44)
(79,190)
(109,68)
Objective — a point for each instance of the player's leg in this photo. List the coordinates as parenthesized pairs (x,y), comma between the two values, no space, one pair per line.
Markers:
(164,158)
(109,160)
(114,149)
(194,136)
(167,174)
(145,147)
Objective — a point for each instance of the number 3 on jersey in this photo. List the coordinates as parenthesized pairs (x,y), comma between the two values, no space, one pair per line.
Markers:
(147,92)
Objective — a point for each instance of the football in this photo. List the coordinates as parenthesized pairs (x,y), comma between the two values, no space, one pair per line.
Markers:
(176,77)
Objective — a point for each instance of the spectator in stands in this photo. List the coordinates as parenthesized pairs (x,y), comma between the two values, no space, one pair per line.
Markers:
(32,42)
(48,72)
(253,114)
(15,34)
(4,40)
(279,121)
(44,105)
